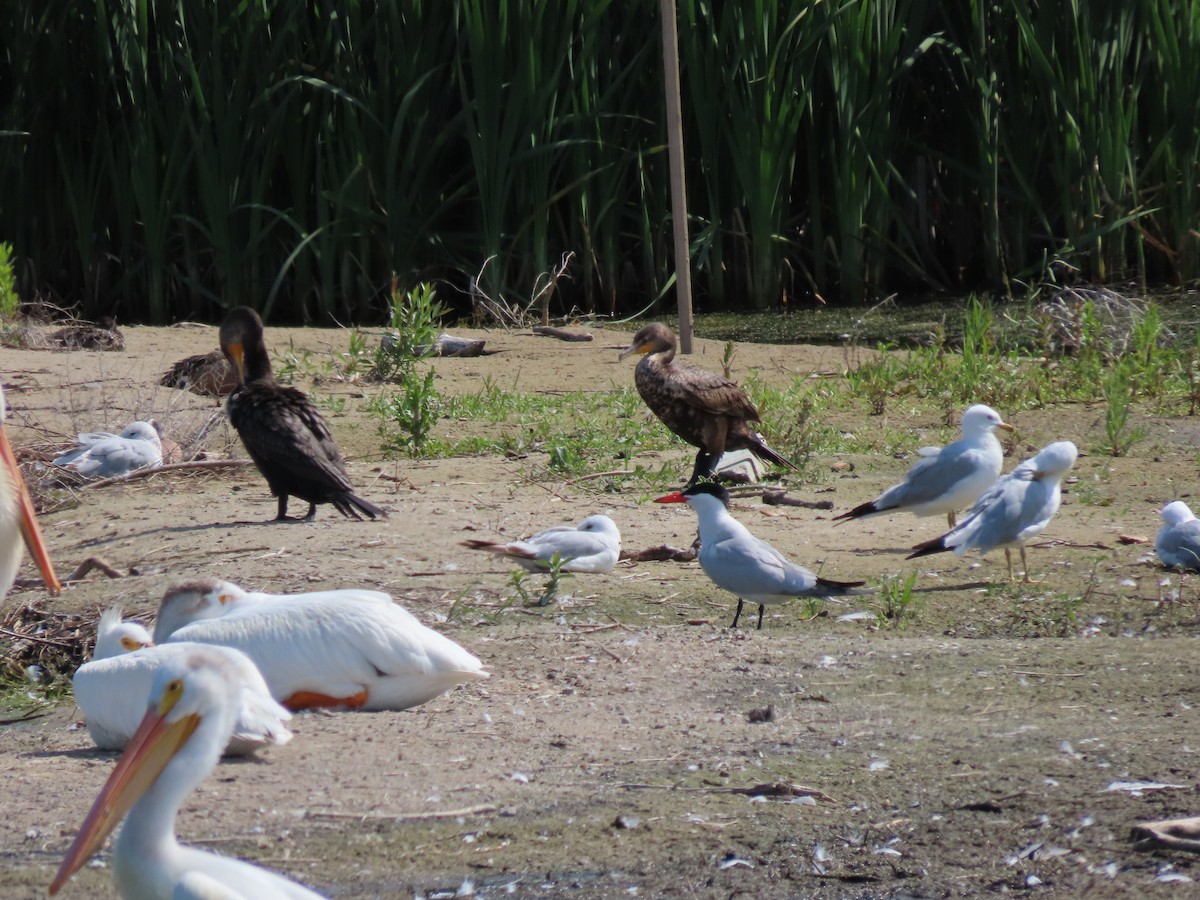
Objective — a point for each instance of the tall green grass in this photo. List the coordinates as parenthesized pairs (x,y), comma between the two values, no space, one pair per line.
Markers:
(169,161)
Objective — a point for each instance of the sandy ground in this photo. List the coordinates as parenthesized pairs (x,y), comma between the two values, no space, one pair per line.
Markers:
(980,749)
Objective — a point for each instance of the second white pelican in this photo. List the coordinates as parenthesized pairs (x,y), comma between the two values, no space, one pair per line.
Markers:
(18,521)
(112,689)
(190,716)
(354,649)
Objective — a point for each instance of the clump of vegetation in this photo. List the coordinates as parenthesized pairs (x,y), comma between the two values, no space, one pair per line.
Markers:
(413,325)
(408,418)
(897,601)
(9,301)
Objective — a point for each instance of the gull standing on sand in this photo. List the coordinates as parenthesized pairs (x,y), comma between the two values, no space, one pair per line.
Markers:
(948,478)
(18,519)
(101,454)
(1017,509)
(188,718)
(1178,541)
(749,568)
(112,688)
(593,546)
(352,649)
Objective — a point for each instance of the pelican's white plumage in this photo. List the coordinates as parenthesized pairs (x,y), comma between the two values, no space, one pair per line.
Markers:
(1015,510)
(101,454)
(18,521)
(189,717)
(1178,541)
(949,478)
(594,545)
(746,566)
(351,648)
(111,690)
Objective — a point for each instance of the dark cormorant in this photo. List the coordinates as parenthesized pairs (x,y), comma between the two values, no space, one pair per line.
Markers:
(282,431)
(705,409)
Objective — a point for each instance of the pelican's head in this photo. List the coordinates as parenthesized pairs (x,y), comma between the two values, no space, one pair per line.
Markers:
(653,338)
(114,637)
(190,715)
(17,513)
(980,419)
(1176,513)
(204,598)
(1054,460)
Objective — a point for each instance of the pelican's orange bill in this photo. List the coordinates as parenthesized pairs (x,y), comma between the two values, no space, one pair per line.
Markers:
(27,516)
(146,755)
(676,497)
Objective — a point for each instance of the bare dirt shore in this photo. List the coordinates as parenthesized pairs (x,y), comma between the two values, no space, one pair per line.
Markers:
(618,748)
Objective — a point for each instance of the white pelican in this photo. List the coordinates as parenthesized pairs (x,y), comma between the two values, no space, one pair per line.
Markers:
(112,688)
(1178,541)
(191,713)
(354,649)
(18,521)
(1017,509)
(594,545)
(104,455)
(744,565)
(948,478)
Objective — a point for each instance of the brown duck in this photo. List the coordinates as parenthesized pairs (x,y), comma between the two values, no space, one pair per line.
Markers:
(282,431)
(705,409)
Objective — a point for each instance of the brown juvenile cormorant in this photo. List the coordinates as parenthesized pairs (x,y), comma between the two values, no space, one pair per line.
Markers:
(705,409)
(206,374)
(281,428)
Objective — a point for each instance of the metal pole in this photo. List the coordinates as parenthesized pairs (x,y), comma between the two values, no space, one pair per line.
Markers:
(683,260)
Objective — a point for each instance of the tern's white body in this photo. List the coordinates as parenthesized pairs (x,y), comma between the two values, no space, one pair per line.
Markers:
(104,455)
(111,690)
(1015,510)
(1178,541)
(949,478)
(351,648)
(189,719)
(594,545)
(743,564)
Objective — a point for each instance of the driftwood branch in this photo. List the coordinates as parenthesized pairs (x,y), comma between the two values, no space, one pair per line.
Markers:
(561,333)
(173,467)
(661,553)
(780,498)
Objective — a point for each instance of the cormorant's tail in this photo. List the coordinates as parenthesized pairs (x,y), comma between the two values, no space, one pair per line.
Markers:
(350,505)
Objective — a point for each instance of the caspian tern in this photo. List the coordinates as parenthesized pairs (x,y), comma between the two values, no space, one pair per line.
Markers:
(744,565)
(948,478)
(1015,510)
(594,545)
